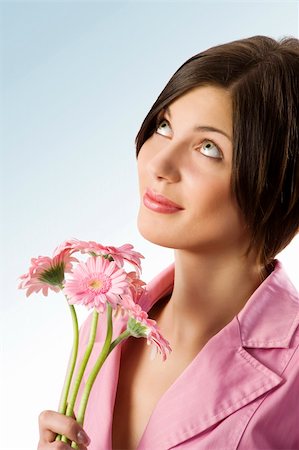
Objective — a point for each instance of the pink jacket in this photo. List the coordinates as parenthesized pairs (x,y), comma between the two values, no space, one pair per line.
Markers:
(240,392)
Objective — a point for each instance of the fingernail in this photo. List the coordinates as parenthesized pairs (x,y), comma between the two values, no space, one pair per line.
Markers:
(82,438)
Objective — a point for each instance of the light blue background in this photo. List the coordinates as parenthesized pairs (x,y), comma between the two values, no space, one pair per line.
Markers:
(77,79)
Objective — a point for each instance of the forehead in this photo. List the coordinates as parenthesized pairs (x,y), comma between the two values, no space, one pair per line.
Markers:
(205,106)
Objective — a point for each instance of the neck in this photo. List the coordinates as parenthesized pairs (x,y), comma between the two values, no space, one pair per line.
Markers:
(209,290)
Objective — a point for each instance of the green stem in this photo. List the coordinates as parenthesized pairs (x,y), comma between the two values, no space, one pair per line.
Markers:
(106,350)
(124,335)
(99,362)
(75,389)
(72,363)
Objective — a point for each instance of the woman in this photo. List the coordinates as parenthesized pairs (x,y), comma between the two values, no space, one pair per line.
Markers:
(218,163)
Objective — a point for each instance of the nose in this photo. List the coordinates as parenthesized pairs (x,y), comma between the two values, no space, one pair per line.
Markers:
(166,163)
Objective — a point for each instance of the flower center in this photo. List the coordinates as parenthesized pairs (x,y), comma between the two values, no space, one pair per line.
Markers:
(100,283)
(96,284)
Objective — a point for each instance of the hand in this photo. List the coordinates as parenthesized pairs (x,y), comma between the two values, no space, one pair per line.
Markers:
(52,423)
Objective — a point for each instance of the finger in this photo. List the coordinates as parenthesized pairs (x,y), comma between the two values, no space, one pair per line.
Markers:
(79,446)
(53,446)
(58,445)
(52,423)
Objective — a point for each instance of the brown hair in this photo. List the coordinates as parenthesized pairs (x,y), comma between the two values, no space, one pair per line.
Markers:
(262,75)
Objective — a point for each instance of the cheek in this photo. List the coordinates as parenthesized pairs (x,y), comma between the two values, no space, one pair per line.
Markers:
(212,204)
(208,186)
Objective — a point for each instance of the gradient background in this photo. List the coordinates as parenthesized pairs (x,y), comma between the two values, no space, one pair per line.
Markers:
(77,79)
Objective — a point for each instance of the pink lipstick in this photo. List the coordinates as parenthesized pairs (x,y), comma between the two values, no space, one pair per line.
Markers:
(158,203)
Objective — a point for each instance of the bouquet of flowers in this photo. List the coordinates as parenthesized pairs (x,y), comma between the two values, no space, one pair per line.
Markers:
(100,282)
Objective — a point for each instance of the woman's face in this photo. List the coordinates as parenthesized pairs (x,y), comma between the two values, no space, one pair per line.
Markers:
(188,160)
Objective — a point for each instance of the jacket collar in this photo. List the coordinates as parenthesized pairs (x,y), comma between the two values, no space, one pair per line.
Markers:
(271,315)
(224,376)
(268,319)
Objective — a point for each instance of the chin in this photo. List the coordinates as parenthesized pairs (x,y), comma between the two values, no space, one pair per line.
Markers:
(156,234)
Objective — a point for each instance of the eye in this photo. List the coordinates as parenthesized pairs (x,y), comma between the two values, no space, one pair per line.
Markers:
(159,126)
(208,148)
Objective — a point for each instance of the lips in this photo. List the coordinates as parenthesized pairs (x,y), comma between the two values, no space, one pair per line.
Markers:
(159,203)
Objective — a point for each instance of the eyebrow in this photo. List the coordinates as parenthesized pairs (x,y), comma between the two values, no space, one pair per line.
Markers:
(201,127)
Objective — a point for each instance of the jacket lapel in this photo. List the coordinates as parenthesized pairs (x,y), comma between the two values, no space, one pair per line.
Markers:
(220,380)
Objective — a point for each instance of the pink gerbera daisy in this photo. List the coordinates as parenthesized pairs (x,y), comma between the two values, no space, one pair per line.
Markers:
(118,254)
(46,273)
(125,253)
(76,245)
(140,325)
(96,282)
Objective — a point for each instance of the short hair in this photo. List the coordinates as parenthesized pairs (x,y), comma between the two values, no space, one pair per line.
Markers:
(262,76)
